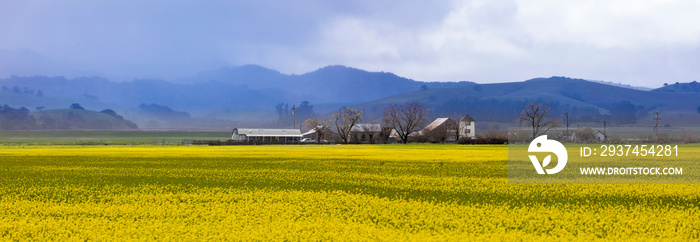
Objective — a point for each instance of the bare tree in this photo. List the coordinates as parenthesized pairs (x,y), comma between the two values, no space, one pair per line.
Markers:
(320,126)
(405,118)
(385,133)
(454,127)
(536,115)
(345,120)
(689,136)
(585,135)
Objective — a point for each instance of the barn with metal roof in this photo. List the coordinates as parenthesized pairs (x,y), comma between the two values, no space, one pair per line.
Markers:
(266,135)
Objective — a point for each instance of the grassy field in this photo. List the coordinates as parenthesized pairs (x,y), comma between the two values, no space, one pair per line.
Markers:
(16,138)
(337,192)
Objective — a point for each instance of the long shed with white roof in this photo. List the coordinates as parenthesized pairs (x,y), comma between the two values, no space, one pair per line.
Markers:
(266,135)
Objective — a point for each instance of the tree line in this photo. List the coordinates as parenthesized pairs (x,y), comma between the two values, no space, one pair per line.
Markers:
(23,119)
(23,90)
(289,115)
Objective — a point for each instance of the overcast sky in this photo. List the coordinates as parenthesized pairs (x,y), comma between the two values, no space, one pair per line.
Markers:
(630,41)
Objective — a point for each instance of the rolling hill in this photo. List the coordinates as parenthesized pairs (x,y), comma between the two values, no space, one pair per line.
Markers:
(79,119)
(680,87)
(585,101)
(250,95)
(330,84)
(62,119)
(241,87)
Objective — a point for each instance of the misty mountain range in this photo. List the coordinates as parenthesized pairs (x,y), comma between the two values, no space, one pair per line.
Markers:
(249,95)
(587,102)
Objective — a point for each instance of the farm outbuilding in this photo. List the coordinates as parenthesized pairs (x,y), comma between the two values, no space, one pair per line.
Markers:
(266,135)
(466,127)
(446,129)
(440,130)
(600,136)
(367,134)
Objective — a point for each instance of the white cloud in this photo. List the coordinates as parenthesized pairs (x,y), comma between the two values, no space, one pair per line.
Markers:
(624,24)
(501,40)
(643,42)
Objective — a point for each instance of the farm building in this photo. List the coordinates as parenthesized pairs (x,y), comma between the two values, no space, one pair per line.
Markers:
(359,134)
(393,137)
(466,127)
(311,134)
(440,130)
(446,129)
(328,135)
(266,135)
(584,135)
(366,134)
(600,136)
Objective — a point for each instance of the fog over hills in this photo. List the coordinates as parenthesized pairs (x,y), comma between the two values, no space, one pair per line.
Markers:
(244,94)
(257,96)
(247,86)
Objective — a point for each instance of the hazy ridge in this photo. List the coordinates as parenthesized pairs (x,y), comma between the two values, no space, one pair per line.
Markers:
(248,95)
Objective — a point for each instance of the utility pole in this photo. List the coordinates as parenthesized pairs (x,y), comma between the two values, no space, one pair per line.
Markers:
(605,131)
(294,114)
(567,125)
(656,127)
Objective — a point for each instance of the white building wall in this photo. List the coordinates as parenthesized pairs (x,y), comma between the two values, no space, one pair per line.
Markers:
(466,129)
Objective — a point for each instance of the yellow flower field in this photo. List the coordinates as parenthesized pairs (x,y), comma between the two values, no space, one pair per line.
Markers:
(348,192)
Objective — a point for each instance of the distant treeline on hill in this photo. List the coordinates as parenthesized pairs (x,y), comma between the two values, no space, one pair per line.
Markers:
(74,118)
(680,87)
(24,90)
(496,110)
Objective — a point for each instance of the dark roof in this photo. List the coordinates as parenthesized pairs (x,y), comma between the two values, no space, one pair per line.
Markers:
(467,118)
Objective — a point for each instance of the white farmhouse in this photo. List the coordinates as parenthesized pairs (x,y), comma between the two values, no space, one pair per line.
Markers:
(466,127)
